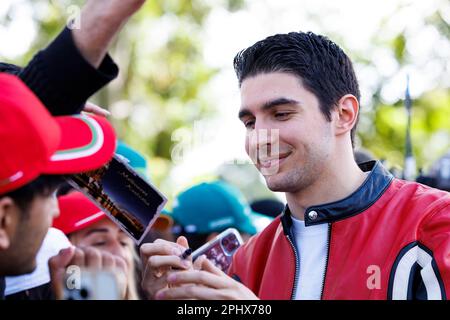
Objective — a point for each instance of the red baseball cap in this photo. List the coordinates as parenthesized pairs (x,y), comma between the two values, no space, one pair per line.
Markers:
(33,142)
(77,212)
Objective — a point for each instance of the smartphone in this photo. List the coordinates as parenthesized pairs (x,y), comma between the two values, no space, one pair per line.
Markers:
(128,199)
(220,250)
(92,285)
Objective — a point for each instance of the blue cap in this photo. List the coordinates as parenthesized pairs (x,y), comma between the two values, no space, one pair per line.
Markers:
(134,158)
(215,206)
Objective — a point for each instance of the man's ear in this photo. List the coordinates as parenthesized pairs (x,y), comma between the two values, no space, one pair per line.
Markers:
(8,215)
(346,113)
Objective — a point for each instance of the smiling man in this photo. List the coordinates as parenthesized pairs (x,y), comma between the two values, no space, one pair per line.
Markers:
(348,231)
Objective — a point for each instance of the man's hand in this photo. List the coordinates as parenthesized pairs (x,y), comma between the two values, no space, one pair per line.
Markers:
(158,261)
(87,257)
(101,20)
(206,282)
(93,108)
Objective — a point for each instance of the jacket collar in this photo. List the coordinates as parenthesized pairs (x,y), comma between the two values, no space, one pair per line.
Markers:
(366,195)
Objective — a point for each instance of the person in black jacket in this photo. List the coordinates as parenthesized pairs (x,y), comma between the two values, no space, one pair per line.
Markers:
(76,64)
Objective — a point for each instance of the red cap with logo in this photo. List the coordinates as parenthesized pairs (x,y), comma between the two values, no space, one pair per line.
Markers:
(35,143)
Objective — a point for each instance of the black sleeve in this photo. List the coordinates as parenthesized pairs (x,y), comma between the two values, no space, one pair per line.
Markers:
(62,79)
(2,288)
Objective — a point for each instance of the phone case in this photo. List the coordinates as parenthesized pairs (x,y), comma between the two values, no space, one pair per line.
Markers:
(93,285)
(220,250)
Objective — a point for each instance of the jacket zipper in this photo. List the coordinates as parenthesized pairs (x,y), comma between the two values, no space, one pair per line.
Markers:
(326,261)
(297,267)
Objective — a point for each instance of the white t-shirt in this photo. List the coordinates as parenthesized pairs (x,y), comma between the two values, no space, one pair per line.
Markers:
(311,243)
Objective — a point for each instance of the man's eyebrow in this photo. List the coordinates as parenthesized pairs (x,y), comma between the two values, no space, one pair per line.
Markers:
(278,102)
(269,105)
(104,230)
(243,113)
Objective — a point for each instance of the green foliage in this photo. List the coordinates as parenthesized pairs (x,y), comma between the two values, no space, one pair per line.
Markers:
(430,129)
(161,69)
(398,46)
(383,126)
(163,73)
(438,20)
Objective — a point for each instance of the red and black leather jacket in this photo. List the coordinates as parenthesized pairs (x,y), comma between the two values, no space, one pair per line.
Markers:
(390,239)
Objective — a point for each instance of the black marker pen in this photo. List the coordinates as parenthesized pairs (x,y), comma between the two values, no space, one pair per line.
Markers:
(184,256)
(186,253)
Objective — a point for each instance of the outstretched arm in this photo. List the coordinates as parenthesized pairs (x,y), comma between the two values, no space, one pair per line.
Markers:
(76,64)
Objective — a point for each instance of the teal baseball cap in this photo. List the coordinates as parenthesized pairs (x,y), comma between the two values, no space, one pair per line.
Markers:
(139,163)
(215,206)
(134,158)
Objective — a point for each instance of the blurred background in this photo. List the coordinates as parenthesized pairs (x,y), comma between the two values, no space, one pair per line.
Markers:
(176,98)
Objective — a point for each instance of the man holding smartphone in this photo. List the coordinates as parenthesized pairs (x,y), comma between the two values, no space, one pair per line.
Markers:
(348,231)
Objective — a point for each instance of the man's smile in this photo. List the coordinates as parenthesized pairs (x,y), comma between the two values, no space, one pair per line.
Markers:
(277,160)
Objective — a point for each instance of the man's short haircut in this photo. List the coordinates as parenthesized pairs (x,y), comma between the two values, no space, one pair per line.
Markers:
(43,186)
(322,66)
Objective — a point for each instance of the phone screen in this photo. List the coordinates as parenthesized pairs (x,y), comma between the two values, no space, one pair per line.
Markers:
(127,198)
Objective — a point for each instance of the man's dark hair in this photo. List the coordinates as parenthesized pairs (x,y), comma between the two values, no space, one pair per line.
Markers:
(43,186)
(64,189)
(323,67)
